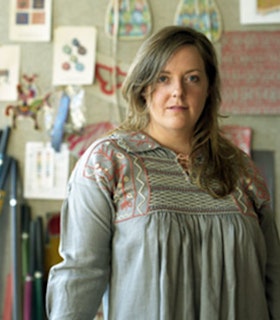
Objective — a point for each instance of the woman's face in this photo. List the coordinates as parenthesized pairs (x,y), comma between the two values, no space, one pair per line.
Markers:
(179,96)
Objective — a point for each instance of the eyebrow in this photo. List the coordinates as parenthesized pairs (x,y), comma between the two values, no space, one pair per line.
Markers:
(188,71)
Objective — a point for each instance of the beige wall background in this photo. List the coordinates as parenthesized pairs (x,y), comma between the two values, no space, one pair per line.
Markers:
(37,58)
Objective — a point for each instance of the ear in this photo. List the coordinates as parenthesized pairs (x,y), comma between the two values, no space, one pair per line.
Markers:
(144,93)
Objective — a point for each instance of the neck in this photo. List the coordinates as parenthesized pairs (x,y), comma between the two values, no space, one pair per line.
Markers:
(177,141)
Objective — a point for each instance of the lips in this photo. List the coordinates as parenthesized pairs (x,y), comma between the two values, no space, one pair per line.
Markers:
(177,108)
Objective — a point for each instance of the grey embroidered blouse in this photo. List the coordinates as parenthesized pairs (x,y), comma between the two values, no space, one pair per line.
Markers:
(138,233)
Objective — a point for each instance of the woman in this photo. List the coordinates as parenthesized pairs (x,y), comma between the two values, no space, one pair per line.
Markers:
(165,218)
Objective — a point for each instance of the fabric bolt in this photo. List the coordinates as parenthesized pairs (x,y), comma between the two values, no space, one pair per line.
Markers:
(136,229)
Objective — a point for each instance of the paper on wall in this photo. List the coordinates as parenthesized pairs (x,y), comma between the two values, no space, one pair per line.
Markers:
(252,12)
(46,171)
(9,72)
(30,20)
(74,55)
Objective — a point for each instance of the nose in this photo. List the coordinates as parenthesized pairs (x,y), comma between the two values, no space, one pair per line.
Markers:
(178,89)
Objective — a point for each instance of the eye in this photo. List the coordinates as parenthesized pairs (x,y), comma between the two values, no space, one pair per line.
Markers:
(193,78)
(162,79)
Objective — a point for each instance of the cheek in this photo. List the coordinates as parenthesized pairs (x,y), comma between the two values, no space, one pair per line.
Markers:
(159,98)
(153,101)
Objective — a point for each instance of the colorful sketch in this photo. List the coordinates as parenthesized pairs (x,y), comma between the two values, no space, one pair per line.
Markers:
(202,15)
(38,4)
(23,4)
(46,171)
(72,52)
(259,11)
(29,103)
(74,55)
(134,19)
(268,6)
(38,18)
(30,20)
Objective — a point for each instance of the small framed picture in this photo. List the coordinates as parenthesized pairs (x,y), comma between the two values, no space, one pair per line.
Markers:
(259,11)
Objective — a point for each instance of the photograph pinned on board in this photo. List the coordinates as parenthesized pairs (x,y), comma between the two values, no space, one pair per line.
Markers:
(74,55)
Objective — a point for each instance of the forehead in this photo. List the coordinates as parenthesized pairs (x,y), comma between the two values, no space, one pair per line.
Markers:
(185,56)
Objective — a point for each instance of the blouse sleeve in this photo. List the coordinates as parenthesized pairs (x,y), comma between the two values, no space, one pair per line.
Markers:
(271,237)
(257,188)
(76,285)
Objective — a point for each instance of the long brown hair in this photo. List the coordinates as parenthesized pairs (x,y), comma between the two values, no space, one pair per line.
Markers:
(215,162)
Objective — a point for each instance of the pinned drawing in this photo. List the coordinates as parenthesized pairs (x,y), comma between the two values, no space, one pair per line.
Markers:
(259,11)
(265,7)
(202,15)
(29,101)
(128,19)
(9,72)
(30,20)
(74,55)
